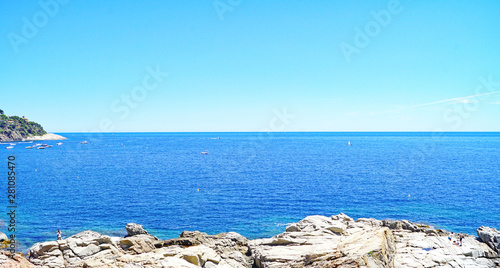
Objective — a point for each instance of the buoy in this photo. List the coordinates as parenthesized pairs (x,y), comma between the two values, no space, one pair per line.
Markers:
(408,195)
(198,190)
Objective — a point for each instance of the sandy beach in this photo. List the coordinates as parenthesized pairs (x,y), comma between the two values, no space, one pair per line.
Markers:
(46,137)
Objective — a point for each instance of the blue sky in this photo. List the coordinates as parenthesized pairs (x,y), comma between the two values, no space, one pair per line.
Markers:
(238,65)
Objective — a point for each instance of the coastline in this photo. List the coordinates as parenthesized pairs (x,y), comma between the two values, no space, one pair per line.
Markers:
(46,137)
(315,241)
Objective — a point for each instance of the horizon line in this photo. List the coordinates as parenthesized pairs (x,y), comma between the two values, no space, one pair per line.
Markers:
(307,131)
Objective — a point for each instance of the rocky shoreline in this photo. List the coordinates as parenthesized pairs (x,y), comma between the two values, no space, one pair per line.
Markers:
(316,241)
(45,137)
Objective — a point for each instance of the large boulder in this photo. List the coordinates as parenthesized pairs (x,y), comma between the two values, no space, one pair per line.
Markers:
(138,244)
(232,248)
(135,229)
(319,241)
(490,236)
(40,249)
(74,250)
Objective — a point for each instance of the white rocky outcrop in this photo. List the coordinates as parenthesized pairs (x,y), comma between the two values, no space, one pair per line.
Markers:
(339,241)
(490,236)
(316,241)
(139,249)
(135,229)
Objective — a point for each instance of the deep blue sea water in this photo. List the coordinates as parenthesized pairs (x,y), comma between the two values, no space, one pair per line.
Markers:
(251,183)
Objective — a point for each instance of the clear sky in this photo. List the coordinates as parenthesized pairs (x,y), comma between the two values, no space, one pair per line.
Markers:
(240,65)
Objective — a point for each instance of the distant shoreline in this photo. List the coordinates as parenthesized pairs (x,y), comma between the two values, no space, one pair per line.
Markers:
(287,132)
(46,137)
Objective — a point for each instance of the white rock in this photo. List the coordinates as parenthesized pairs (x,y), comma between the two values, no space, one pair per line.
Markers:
(490,236)
(83,252)
(315,241)
(135,229)
(172,262)
(3,237)
(54,262)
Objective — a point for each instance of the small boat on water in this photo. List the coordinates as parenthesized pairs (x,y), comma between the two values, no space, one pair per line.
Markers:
(49,146)
(41,147)
(10,147)
(84,142)
(12,144)
(59,143)
(38,144)
(29,147)
(349,143)
(204,152)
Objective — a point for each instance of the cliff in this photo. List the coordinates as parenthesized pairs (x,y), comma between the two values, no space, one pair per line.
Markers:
(316,241)
(15,128)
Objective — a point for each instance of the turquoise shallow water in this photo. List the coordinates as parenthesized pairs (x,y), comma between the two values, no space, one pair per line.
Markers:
(252,183)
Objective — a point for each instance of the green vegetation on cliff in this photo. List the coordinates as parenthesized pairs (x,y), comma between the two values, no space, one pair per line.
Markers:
(17,128)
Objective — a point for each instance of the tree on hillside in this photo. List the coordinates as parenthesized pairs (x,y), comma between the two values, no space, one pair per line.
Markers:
(1,111)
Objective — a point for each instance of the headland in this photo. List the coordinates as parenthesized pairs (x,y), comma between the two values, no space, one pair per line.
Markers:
(15,128)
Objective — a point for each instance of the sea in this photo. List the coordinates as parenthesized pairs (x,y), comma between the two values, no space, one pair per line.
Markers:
(251,183)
